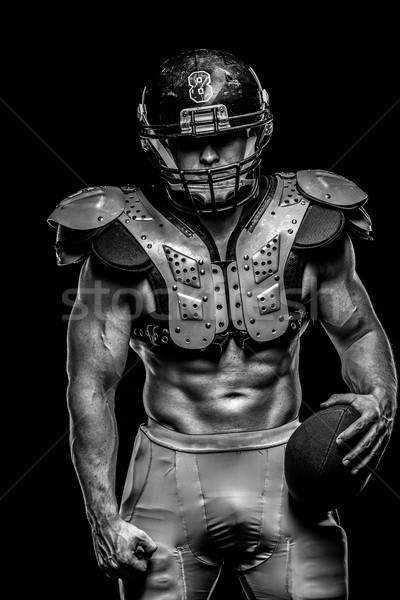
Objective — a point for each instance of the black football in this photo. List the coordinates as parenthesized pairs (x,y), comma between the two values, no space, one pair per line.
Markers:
(314,470)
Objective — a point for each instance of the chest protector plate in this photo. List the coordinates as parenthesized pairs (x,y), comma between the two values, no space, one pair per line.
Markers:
(202,300)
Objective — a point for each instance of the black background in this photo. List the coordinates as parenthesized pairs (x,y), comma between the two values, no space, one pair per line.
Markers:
(69,90)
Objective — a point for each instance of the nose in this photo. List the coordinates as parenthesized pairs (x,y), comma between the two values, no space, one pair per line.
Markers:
(209,155)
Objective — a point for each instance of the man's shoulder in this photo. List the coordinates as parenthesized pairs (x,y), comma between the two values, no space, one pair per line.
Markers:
(89,222)
(91,207)
(336,205)
(328,188)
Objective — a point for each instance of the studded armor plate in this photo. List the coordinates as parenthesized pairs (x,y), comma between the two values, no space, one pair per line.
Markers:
(198,304)
(261,256)
(184,262)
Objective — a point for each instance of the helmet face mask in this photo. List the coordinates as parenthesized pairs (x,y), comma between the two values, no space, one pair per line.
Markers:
(200,98)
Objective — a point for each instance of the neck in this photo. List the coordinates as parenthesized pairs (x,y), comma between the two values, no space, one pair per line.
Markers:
(220,226)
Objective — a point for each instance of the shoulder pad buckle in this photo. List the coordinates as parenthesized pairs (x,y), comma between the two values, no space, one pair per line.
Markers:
(328,188)
(90,208)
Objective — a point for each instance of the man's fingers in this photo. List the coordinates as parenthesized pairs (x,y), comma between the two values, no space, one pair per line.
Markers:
(139,561)
(354,429)
(128,567)
(371,459)
(338,399)
(145,544)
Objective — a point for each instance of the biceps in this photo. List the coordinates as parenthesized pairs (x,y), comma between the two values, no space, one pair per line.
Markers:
(338,303)
(97,343)
(345,310)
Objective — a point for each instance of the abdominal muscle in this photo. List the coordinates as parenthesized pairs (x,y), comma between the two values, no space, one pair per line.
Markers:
(237,392)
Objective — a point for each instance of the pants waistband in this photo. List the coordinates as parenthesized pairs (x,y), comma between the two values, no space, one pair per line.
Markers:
(220,441)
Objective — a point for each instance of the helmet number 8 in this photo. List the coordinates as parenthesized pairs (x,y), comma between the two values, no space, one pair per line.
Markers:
(200,88)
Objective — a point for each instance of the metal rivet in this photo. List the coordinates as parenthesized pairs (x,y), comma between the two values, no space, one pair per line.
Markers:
(100,218)
(303,202)
(221,324)
(127,220)
(201,261)
(290,230)
(174,287)
(281,318)
(177,329)
(327,195)
(208,325)
(164,339)
(294,221)
(143,237)
(202,271)
(246,267)
(252,320)
(246,257)
(276,277)
(205,298)
(149,245)
(249,294)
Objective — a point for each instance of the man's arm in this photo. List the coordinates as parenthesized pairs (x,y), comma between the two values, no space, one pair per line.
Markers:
(98,342)
(368,367)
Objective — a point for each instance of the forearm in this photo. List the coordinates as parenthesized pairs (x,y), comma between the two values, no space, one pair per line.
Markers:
(94,446)
(368,367)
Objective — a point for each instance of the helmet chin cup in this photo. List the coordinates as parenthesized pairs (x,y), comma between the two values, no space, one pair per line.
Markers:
(205,93)
(213,196)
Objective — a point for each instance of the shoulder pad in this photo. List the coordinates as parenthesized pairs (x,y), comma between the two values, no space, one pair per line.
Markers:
(326,187)
(73,244)
(116,247)
(320,226)
(90,208)
(358,224)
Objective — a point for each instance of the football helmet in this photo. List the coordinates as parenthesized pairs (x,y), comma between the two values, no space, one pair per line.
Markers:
(199,94)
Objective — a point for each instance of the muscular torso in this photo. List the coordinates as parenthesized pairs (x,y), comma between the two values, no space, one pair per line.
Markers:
(197,392)
(235,392)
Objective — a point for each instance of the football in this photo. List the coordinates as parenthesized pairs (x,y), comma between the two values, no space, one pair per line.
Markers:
(314,470)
